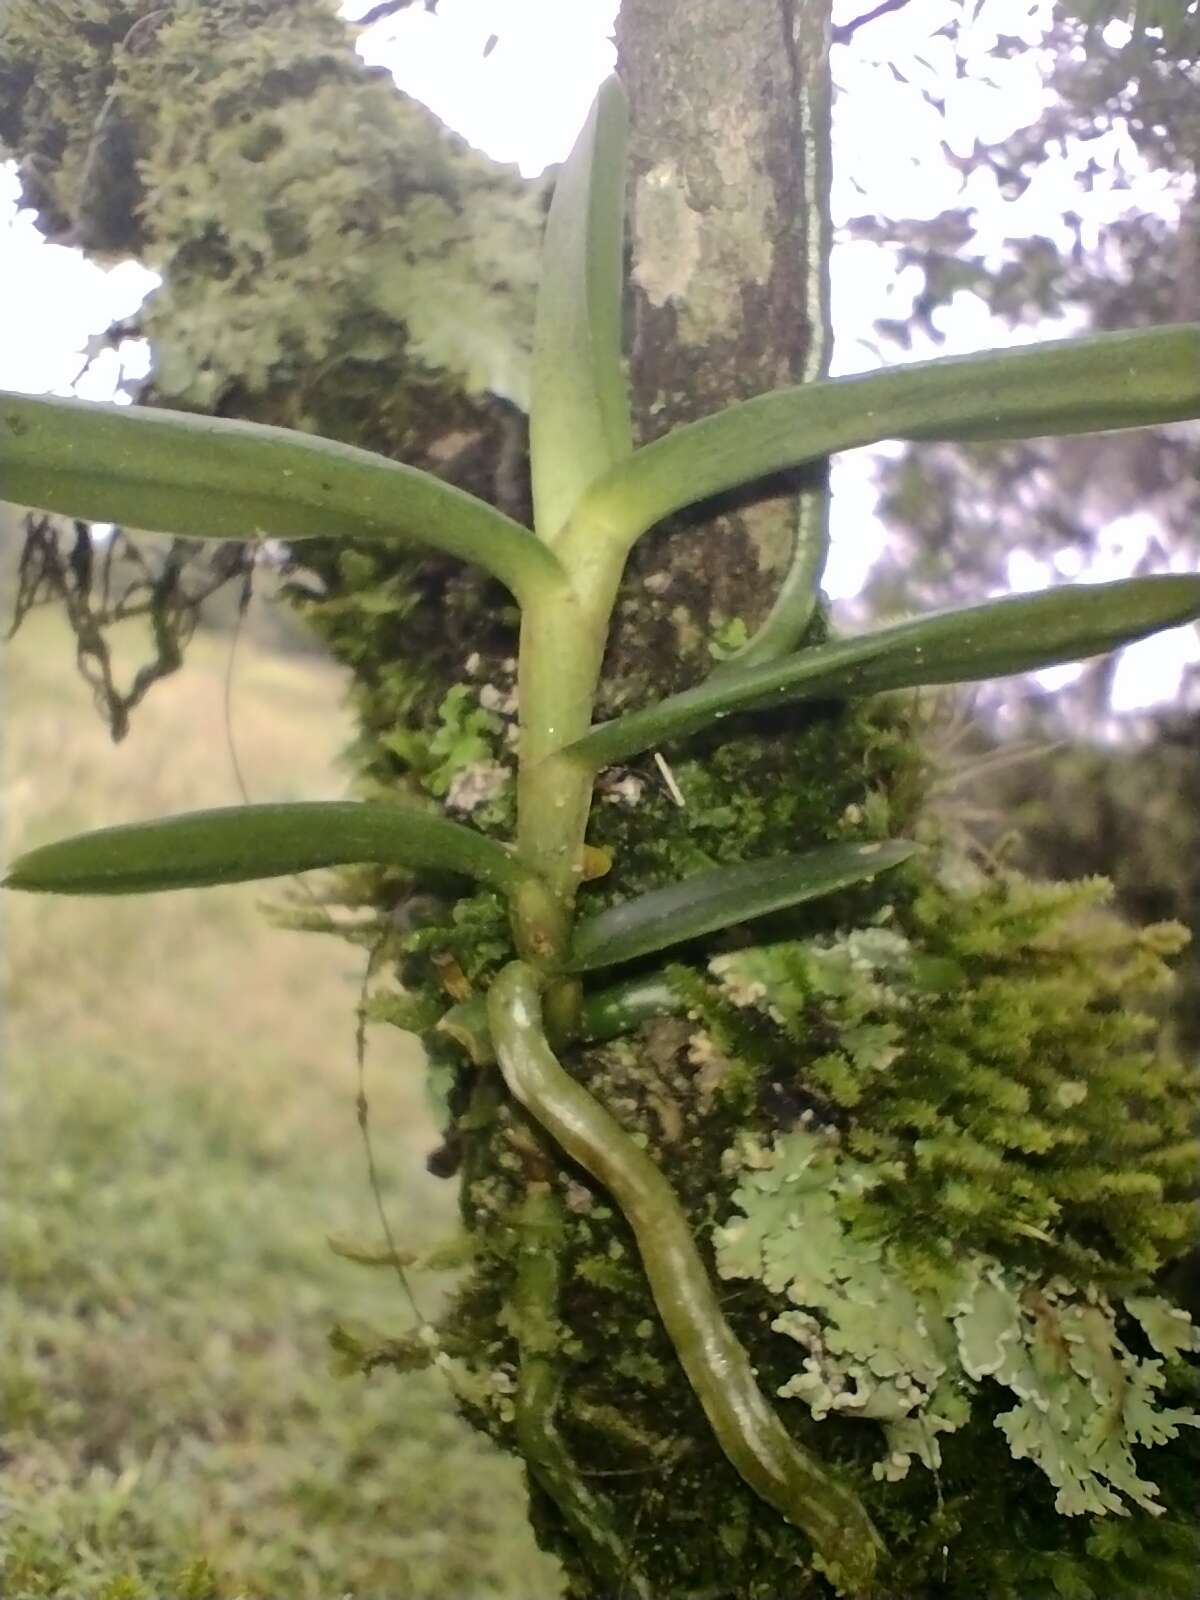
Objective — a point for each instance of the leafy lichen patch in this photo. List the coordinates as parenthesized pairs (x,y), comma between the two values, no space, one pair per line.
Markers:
(912,1357)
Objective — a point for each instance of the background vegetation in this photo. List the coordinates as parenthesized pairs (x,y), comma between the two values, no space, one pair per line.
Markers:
(182,1078)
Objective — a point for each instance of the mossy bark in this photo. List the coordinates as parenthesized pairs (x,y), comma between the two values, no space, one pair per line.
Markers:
(558,1349)
(722,306)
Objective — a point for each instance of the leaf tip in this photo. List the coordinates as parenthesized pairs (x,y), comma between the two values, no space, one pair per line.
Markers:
(15,878)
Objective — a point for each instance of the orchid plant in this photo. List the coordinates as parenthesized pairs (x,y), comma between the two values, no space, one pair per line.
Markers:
(595,494)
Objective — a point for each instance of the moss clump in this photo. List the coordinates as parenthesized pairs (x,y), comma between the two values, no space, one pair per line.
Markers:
(1003,1163)
(911,1005)
(984,1048)
(976,1046)
(373,220)
(774,784)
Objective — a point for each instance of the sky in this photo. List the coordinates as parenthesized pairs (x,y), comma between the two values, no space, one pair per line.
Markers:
(515,78)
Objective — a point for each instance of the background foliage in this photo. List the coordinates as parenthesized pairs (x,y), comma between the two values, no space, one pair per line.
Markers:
(173,1425)
(1120,115)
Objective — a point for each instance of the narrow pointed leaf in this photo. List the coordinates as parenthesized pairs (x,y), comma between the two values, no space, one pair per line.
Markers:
(237,844)
(728,895)
(1114,380)
(211,478)
(579,417)
(1021,633)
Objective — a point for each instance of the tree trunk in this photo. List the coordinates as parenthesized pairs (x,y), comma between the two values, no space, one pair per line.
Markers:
(728,234)
(729,213)
(728,208)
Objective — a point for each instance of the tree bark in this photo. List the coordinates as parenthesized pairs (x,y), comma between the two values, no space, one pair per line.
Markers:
(728,241)
(729,236)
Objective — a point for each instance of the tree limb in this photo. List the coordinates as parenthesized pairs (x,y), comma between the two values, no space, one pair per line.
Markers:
(846,32)
(387,8)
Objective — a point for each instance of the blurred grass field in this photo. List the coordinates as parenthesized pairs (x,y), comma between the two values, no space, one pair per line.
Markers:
(180,1137)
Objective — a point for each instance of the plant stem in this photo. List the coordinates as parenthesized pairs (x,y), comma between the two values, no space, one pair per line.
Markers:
(564,630)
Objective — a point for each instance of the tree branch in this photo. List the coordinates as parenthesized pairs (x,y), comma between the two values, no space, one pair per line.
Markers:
(847,30)
(387,8)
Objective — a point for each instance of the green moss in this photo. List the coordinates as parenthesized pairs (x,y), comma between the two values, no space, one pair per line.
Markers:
(987,1043)
(972,1043)
(778,784)
(964,1018)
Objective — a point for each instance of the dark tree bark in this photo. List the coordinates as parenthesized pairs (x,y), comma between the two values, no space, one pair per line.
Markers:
(729,209)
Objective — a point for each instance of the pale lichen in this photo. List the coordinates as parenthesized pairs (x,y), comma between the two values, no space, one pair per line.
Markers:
(913,1357)
(306,217)
(476,785)
(663,212)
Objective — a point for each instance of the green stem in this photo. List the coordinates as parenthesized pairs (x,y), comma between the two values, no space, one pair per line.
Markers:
(564,630)
(607,1014)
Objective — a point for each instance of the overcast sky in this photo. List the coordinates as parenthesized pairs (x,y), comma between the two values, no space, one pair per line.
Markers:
(515,78)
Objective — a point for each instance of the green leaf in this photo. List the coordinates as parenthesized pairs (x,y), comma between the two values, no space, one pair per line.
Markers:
(1115,380)
(238,843)
(609,1013)
(1021,633)
(211,478)
(579,415)
(728,895)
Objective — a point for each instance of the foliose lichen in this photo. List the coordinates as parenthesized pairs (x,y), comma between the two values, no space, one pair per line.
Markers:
(306,217)
(910,1359)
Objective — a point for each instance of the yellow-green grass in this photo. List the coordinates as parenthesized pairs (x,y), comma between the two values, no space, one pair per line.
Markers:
(180,1137)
